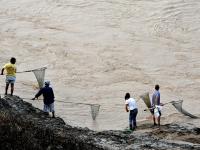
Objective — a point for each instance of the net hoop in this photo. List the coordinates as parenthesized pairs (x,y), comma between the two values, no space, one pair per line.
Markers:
(178,106)
(94,110)
(40,74)
(145,97)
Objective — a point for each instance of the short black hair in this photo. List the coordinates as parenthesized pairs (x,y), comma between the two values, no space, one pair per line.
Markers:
(13,60)
(157,87)
(127,96)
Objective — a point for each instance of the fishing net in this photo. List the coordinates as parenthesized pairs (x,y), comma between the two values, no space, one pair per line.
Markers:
(93,107)
(94,110)
(178,106)
(146,99)
(39,74)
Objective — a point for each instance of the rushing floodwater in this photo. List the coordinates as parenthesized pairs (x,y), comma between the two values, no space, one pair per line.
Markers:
(98,50)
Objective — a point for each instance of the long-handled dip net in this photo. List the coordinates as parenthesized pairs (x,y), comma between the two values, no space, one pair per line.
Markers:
(94,108)
(39,74)
(146,99)
(178,106)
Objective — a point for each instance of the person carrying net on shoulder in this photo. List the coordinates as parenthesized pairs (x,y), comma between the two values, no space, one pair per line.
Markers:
(48,98)
(10,75)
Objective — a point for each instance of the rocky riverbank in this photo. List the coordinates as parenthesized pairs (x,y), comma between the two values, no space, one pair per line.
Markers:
(24,127)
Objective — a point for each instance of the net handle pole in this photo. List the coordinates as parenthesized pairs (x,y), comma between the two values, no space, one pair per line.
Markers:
(162,104)
(64,102)
(93,115)
(76,103)
(24,71)
(32,70)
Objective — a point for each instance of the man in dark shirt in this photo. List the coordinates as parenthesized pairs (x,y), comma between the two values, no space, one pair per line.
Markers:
(48,98)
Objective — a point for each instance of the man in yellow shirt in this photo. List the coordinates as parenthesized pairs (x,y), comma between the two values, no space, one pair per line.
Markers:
(10,74)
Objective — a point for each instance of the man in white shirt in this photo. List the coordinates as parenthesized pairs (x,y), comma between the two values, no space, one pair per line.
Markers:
(130,105)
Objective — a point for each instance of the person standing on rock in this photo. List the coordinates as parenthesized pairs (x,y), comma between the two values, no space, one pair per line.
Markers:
(156,105)
(48,96)
(10,75)
(131,106)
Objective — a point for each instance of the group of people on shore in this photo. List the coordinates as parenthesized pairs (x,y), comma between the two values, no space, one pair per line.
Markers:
(48,96)
(131,107)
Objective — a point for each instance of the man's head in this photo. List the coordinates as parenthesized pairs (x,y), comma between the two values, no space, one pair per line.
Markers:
(127,96)
(13,60)
(157,87)
(47,83)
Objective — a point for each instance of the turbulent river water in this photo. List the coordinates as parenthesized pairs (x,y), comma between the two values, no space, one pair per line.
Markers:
(98,50)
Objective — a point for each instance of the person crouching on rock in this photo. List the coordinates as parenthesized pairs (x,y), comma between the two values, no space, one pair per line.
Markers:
(130,104)
(48,98)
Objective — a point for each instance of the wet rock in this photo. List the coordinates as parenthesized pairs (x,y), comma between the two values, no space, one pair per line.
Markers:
(24,127)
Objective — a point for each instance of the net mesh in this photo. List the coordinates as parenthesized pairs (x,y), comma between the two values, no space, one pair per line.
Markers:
(146,99)
(178,106)
(94,110)
(39,74)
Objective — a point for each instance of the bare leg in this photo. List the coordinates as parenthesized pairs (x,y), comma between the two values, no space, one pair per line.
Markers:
(6,89)
(154,120)
(12,88)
